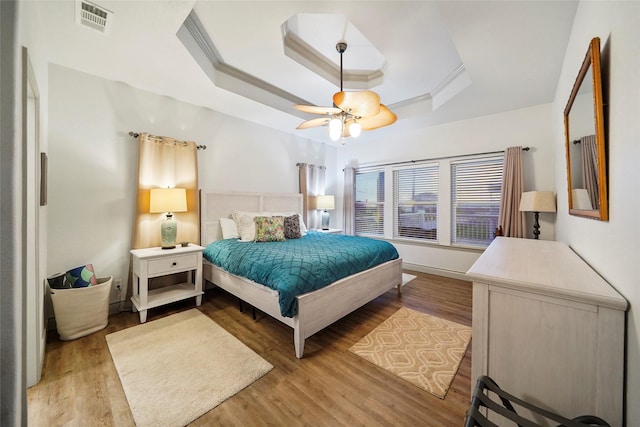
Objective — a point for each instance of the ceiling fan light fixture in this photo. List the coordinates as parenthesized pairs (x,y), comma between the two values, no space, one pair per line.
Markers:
(352,111)
(355,129)
(335,128)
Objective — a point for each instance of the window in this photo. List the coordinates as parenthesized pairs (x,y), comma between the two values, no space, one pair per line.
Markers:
(369,209)
(415,205)
(475,200)
(448,201)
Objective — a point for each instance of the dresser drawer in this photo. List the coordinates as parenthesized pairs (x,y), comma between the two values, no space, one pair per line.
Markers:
(172,264)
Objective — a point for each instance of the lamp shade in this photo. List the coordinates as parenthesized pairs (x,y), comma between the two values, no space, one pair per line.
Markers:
(167,200)
(325,202)
(580,199)
(538,201)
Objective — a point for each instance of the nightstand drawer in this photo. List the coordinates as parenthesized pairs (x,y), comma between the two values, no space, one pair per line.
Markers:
(170,264)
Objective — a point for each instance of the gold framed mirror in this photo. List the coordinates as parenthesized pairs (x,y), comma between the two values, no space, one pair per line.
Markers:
(585,141)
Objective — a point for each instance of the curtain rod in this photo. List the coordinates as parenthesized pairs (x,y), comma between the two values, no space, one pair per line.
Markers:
(437,158)
(137,134)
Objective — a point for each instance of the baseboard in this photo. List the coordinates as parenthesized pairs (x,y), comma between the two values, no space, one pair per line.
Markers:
(114,307)
(437,271)
(120,306)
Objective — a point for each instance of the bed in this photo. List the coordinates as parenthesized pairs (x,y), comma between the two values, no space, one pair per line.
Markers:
(315,310)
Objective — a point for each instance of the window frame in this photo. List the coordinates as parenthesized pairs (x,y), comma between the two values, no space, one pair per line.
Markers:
(380,205)
(445,222)
(422,219)
(488,224)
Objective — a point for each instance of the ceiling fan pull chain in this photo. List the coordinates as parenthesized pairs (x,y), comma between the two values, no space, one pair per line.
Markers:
(341,47)
(341,52)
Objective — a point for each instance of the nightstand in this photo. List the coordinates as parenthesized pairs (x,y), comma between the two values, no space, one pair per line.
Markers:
(331,230)
(156,262)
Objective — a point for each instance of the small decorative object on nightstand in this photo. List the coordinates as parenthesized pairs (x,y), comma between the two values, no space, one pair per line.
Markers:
(154,262)
(325,203)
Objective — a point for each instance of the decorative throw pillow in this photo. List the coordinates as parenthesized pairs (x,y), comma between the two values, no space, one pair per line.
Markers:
(303,228)
(82,277)
(269,228)
(229,228)
(292,227)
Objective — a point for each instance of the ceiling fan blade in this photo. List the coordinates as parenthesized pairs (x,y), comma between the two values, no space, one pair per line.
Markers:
(362,103)
(314,122)
(329,111)
(384,118)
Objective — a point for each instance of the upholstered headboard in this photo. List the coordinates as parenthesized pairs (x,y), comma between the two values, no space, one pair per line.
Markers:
(216,205)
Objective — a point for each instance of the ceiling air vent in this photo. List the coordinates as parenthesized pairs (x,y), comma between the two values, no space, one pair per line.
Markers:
(93,16)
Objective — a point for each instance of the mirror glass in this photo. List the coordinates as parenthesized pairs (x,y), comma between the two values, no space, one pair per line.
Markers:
(585,141)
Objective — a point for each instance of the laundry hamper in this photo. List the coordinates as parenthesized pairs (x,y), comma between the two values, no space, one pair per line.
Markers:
(81,311)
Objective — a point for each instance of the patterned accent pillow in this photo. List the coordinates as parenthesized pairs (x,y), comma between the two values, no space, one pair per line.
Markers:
(292,227)
(81,277)
(269,228)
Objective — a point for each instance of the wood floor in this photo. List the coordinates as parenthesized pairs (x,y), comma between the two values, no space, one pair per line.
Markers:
(329,386)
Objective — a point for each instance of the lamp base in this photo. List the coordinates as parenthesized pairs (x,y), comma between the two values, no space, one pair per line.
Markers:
(536,226)
(325,220)
(168,232)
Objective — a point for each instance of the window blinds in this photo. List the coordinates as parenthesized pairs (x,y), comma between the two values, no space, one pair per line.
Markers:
(416,202)
(475,200)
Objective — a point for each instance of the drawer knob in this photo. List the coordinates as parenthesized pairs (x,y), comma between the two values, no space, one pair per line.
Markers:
(174,263)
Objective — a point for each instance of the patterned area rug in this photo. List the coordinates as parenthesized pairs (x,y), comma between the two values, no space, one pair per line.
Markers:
(419,348)
(179,367)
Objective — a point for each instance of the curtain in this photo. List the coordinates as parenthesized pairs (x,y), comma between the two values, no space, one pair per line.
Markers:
(511,219)
(165,162)
(348,210)
(311,179)
(590,168)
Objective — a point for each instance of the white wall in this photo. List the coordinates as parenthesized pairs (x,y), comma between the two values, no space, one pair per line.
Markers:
(612,248)
(92,163)
(526,127)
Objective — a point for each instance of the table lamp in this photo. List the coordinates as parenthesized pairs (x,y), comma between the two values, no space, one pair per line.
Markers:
(536,202)
(168,200)
(325,203)
(580,199)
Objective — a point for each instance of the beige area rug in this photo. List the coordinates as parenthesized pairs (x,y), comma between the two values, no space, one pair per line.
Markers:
(406,278)
(175,369)
(419,348)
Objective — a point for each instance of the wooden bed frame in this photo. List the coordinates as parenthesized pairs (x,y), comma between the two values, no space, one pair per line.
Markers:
(316,310)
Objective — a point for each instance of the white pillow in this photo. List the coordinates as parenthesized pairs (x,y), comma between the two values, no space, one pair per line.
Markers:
(246,225)
(303,228)
(229,228)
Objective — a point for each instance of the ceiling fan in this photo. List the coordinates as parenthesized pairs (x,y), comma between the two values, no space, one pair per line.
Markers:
(352,111)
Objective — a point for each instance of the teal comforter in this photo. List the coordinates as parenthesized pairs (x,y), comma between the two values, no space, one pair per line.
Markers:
(297,266)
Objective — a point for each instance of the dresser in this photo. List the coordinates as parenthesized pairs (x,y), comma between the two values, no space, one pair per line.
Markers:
(548,329)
